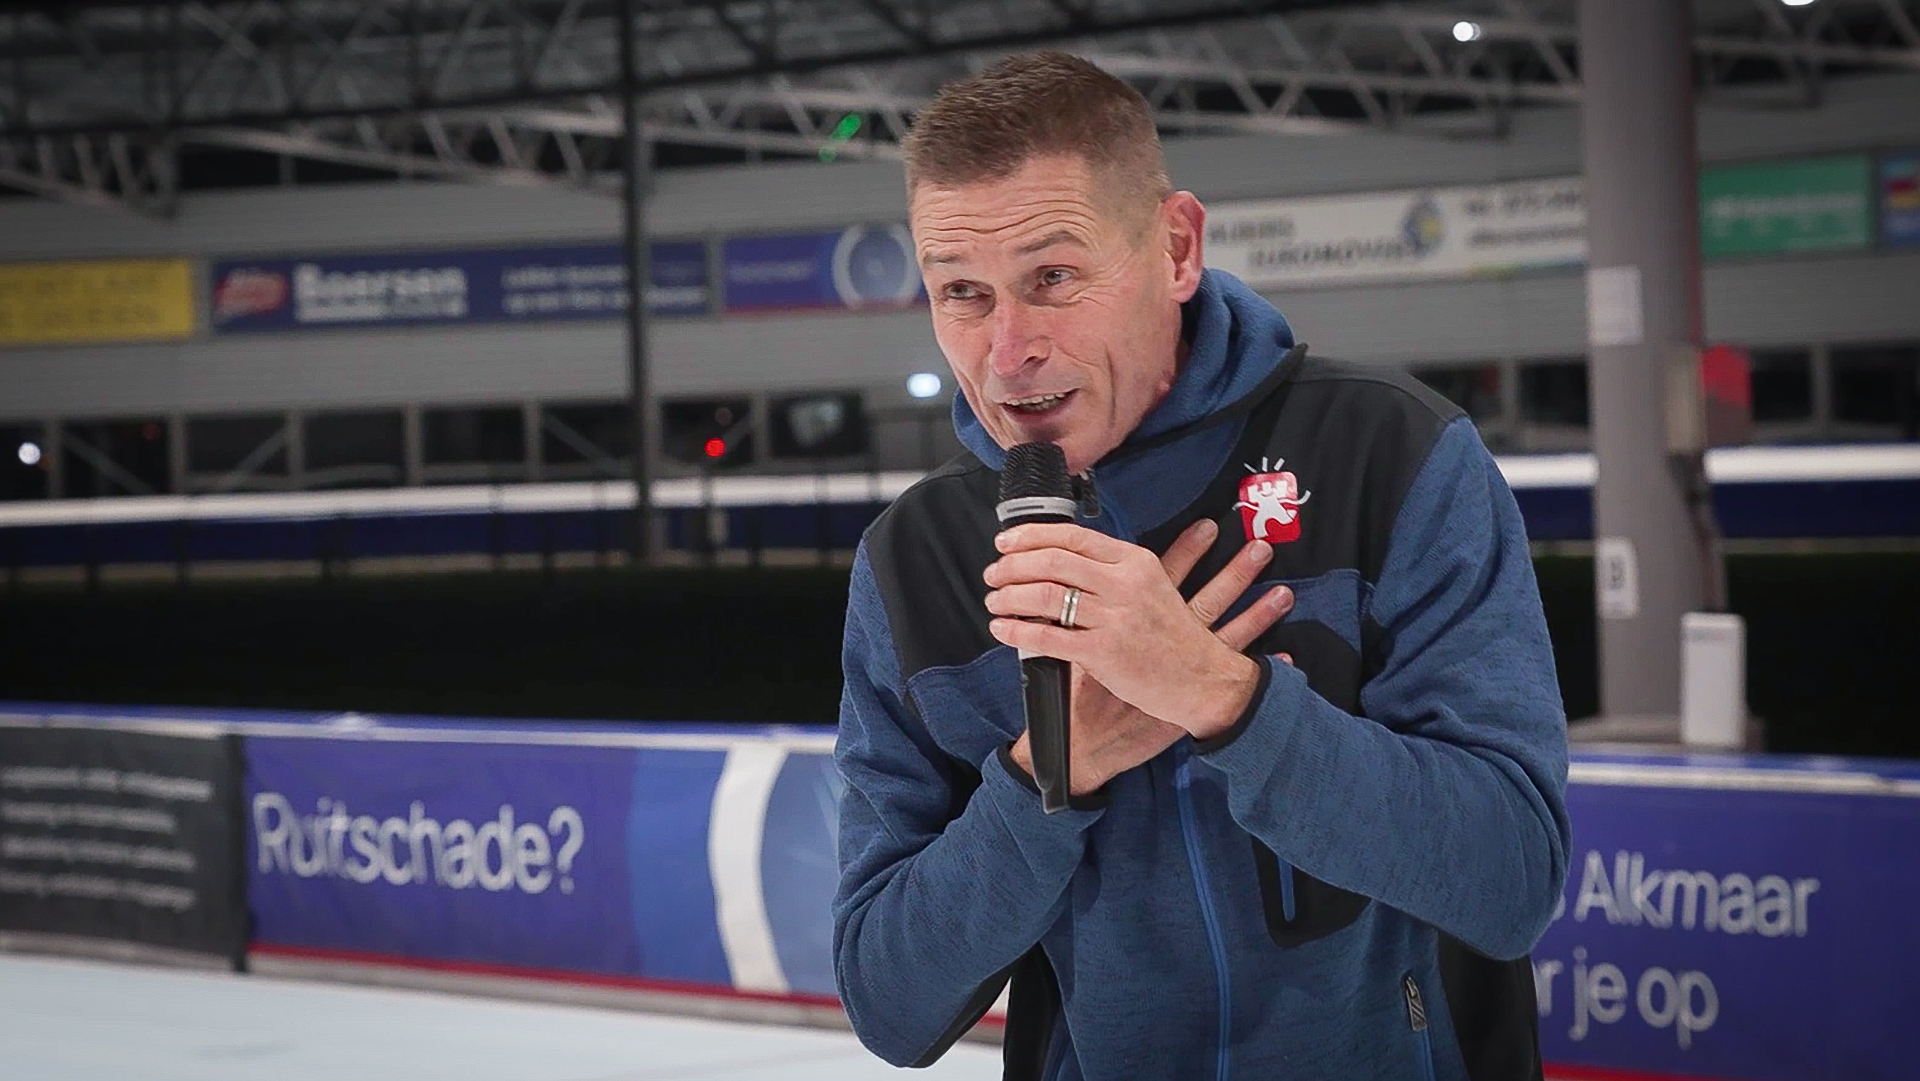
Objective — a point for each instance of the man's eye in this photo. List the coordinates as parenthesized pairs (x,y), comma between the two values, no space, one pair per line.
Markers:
(1055,276)
(962,291)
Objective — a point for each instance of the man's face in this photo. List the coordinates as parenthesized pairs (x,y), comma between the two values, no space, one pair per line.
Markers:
(1060,318)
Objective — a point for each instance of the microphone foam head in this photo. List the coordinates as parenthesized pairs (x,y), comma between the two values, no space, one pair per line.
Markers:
(1035,469)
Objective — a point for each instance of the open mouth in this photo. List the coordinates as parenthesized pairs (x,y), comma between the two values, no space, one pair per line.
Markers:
(1038,405)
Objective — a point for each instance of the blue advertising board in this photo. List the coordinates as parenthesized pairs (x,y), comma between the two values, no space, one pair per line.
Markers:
(1725,917)
(437,288)
(673,865)
(1900,200)
(860,267)
(1741,924)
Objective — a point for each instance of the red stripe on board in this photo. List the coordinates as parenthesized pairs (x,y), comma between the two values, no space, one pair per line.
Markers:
(1557,1072)
(550,975)
(1603,1073)
(591,979)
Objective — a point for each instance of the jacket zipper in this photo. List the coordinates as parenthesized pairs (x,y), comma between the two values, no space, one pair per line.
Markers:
(1182,783)
(1417,1020)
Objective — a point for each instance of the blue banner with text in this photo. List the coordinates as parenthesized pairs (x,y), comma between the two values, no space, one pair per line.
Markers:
(1758,933)
(861,267)
(437,288)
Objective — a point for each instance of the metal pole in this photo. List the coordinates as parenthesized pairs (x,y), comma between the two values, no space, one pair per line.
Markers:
(1643,316)
(638,268)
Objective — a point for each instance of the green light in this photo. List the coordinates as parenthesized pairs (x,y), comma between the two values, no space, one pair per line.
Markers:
(848,126)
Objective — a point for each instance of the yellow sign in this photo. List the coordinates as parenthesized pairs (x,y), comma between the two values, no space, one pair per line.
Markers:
(106,301)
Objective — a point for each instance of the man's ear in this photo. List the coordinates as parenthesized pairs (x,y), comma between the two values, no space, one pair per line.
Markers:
(1186,223)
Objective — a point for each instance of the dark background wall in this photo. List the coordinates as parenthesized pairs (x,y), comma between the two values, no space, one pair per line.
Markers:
(1833,645)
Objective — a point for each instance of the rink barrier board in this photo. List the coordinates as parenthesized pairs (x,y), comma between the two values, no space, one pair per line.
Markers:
(707,864)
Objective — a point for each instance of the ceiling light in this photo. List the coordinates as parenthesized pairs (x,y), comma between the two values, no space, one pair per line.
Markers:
(923,384)
(29,454)
(1464,31)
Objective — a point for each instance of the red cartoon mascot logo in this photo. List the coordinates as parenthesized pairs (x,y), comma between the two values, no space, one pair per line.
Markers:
(1270,502)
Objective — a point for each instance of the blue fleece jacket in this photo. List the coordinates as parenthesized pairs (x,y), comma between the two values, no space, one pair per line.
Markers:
(1439,800)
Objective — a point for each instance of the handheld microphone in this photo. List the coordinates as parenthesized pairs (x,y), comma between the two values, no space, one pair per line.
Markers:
(1034,488)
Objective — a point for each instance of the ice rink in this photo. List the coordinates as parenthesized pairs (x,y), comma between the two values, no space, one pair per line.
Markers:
(65,1020)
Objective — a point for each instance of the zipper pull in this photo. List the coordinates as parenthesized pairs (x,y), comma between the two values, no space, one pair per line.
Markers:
(1087,494)
(1416,1008)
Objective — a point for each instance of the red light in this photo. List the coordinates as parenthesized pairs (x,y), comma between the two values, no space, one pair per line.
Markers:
(716,448)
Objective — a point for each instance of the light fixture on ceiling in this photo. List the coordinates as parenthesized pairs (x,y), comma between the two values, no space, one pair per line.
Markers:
(923,384)
(1466,30)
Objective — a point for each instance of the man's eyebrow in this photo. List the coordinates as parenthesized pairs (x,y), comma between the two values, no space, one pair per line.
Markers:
(1058,236)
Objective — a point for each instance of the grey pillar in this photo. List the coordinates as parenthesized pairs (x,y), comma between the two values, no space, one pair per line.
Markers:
(176,429)
(296,429)
(639,271)
(413,445)
(1653,561)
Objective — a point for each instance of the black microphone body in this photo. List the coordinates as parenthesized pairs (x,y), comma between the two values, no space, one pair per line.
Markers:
(1034,487)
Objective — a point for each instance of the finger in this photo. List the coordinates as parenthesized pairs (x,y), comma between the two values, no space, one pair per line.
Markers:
(1270,608)
(1043,639)
(1287,657)
(1073,538)
(1046,565)
(1037,600)
(1232,581)
(1185,551)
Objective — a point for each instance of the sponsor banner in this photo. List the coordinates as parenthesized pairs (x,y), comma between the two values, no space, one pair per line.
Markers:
(860,267)
(1440,233)
(432,288)
(1817,204)
(705,867)
(122,835)
(118,301)
(444,851)
(1753,934)
(1900,200)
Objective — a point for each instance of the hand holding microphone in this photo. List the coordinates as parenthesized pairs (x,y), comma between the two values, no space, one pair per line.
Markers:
(1150,668)
(1034,489)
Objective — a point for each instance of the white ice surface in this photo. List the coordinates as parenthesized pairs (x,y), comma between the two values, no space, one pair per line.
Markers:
(63,1020)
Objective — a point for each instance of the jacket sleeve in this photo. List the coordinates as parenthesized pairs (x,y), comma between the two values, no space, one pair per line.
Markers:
(1449,802)
(932,909)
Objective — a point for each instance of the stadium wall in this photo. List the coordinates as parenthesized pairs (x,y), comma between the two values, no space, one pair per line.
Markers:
(1859,297)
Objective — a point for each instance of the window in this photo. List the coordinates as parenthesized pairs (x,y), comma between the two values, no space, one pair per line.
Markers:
(25,464)
(1554,392)
(819,426)
(707,431)
(355,450)
(1878,386)
(115,457)
(228,453)
(1474,388)
(1782,385)
(586,440)
(495,435)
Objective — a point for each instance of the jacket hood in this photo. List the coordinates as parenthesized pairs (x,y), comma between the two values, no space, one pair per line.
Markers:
(1235,340)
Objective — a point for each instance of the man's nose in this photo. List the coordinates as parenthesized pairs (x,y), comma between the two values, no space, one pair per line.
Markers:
(1017,340)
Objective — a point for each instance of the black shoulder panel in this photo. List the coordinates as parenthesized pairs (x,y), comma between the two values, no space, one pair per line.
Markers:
(927,551)
(1350,440)
(1388,422)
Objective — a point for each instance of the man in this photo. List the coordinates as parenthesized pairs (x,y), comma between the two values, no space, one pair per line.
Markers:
(1323,857)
